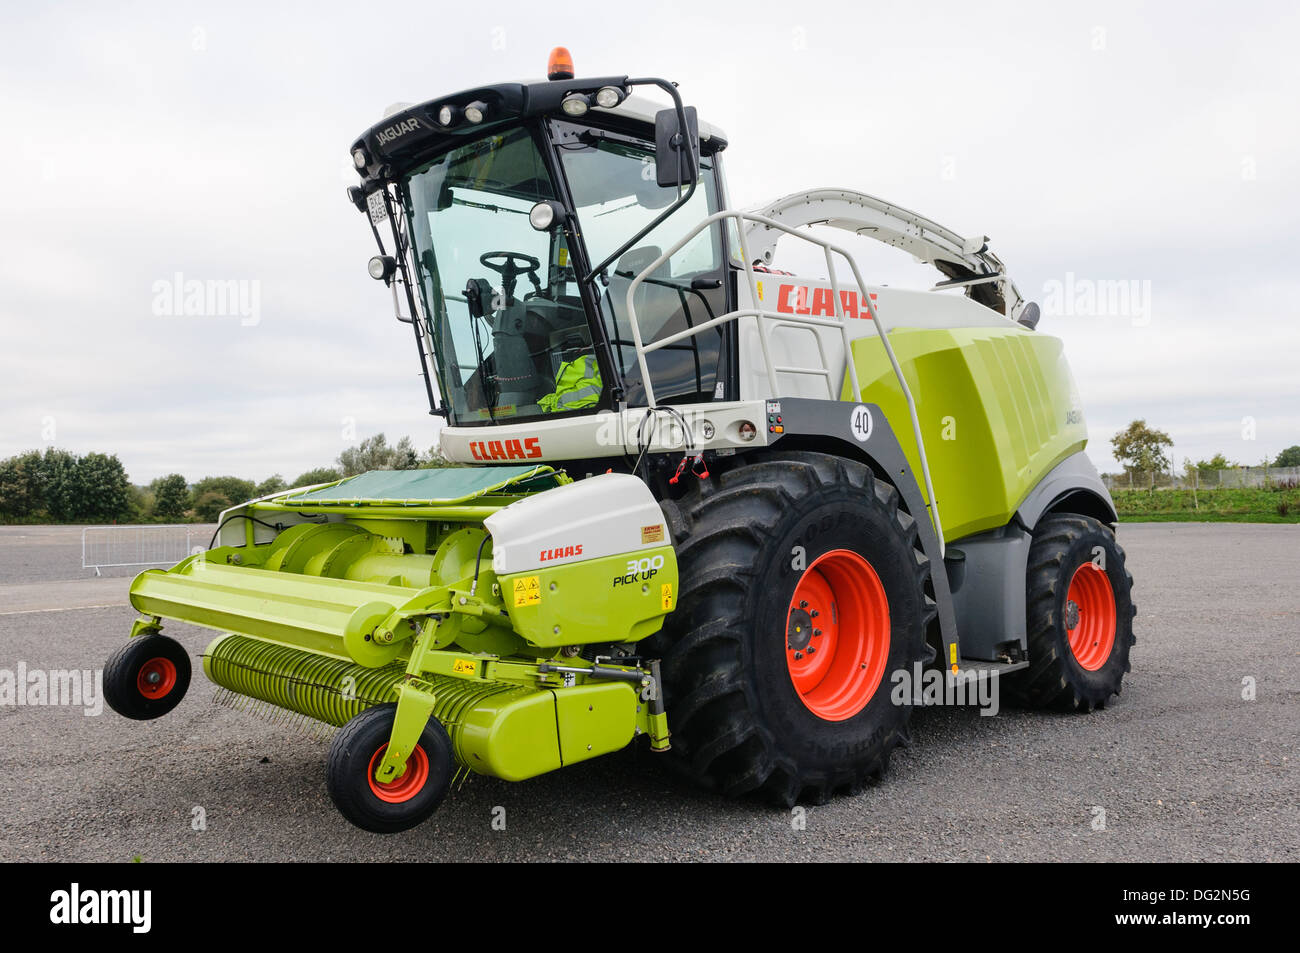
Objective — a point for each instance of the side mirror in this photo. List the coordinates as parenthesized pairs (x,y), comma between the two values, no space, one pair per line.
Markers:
(677,151)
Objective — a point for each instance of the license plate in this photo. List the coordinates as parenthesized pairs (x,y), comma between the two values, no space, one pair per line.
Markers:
(377,206)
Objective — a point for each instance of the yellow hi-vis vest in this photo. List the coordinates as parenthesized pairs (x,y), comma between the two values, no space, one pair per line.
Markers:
(577,385)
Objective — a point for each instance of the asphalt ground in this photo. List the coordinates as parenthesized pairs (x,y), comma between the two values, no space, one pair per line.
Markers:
(1181,767)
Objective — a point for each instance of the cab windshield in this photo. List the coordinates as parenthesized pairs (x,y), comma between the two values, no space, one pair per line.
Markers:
(508,325)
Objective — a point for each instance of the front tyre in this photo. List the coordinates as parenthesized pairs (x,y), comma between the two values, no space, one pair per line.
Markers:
(386,808)
(1079,605)
(803,589)
(147,677)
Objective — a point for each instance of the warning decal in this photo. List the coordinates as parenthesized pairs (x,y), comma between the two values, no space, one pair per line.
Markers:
(528,590)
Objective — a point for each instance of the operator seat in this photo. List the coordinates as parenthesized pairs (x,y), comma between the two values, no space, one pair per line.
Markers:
(655,304)
(683,368)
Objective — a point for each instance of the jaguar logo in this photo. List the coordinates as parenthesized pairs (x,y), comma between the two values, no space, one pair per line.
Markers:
(397,130)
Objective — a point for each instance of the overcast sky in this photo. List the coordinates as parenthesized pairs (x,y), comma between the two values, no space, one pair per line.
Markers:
(1146,143)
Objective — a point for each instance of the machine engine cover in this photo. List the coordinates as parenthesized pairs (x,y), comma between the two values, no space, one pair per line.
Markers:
(588,562)
(607,515)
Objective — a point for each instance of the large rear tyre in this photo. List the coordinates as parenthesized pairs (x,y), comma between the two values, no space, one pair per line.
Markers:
(147,677)
(402,803)
(803,589)
(1079,617)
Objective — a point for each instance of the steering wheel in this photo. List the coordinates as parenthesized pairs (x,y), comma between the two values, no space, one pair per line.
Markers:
(508,265)
(509,271)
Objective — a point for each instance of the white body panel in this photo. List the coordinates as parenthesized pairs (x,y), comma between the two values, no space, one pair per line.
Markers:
(798,346)
(606,515)
(605,434)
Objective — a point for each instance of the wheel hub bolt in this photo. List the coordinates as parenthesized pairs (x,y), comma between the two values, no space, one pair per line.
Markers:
(803,603)
(798,655)
(812,649)
(153,678)
(817,631)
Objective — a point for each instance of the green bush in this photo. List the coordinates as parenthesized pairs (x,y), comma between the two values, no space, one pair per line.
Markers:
(60,487)
(171,497)
(319,475)
(209,505)
(272,484)
(232,489)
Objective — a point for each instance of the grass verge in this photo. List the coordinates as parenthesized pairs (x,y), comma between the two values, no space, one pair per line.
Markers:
(1261,505)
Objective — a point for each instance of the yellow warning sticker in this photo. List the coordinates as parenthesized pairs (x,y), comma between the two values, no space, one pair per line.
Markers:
(666,594)
(760,290)
(564,257)
(528,591)
(463,666)
(652,534)
(952,653)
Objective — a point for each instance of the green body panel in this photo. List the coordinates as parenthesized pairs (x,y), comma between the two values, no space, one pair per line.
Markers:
(524,733)
(509,733)
(596,600)
(595,720)
(997,407)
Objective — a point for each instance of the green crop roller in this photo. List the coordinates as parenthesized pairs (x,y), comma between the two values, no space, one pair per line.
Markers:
(806,489)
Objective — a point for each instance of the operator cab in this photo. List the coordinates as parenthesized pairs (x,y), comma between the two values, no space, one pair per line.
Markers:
(519,215)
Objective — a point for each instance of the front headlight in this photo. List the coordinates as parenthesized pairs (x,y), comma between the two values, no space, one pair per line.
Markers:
(575,104)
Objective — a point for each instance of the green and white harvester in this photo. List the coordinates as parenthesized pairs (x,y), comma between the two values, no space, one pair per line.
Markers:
(698,499)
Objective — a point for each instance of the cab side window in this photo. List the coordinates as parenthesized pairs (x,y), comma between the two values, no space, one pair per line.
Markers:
(612,180)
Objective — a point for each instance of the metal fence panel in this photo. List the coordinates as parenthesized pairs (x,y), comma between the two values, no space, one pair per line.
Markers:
(105,546)
(1237,477)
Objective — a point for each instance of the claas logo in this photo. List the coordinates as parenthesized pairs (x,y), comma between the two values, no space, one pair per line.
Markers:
(800,299)
(529,449)
(560,552)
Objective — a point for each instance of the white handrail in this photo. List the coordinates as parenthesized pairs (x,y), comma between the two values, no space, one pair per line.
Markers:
(768,319)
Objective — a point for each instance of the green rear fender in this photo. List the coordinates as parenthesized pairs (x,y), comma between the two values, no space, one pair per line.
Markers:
(998,410)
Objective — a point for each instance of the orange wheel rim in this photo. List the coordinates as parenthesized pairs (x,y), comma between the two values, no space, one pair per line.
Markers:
(1090,616)
(408,785)
(156,678)
(837,635)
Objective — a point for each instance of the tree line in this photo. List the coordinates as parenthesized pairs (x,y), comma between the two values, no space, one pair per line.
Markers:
(58,486)
(1141,448)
